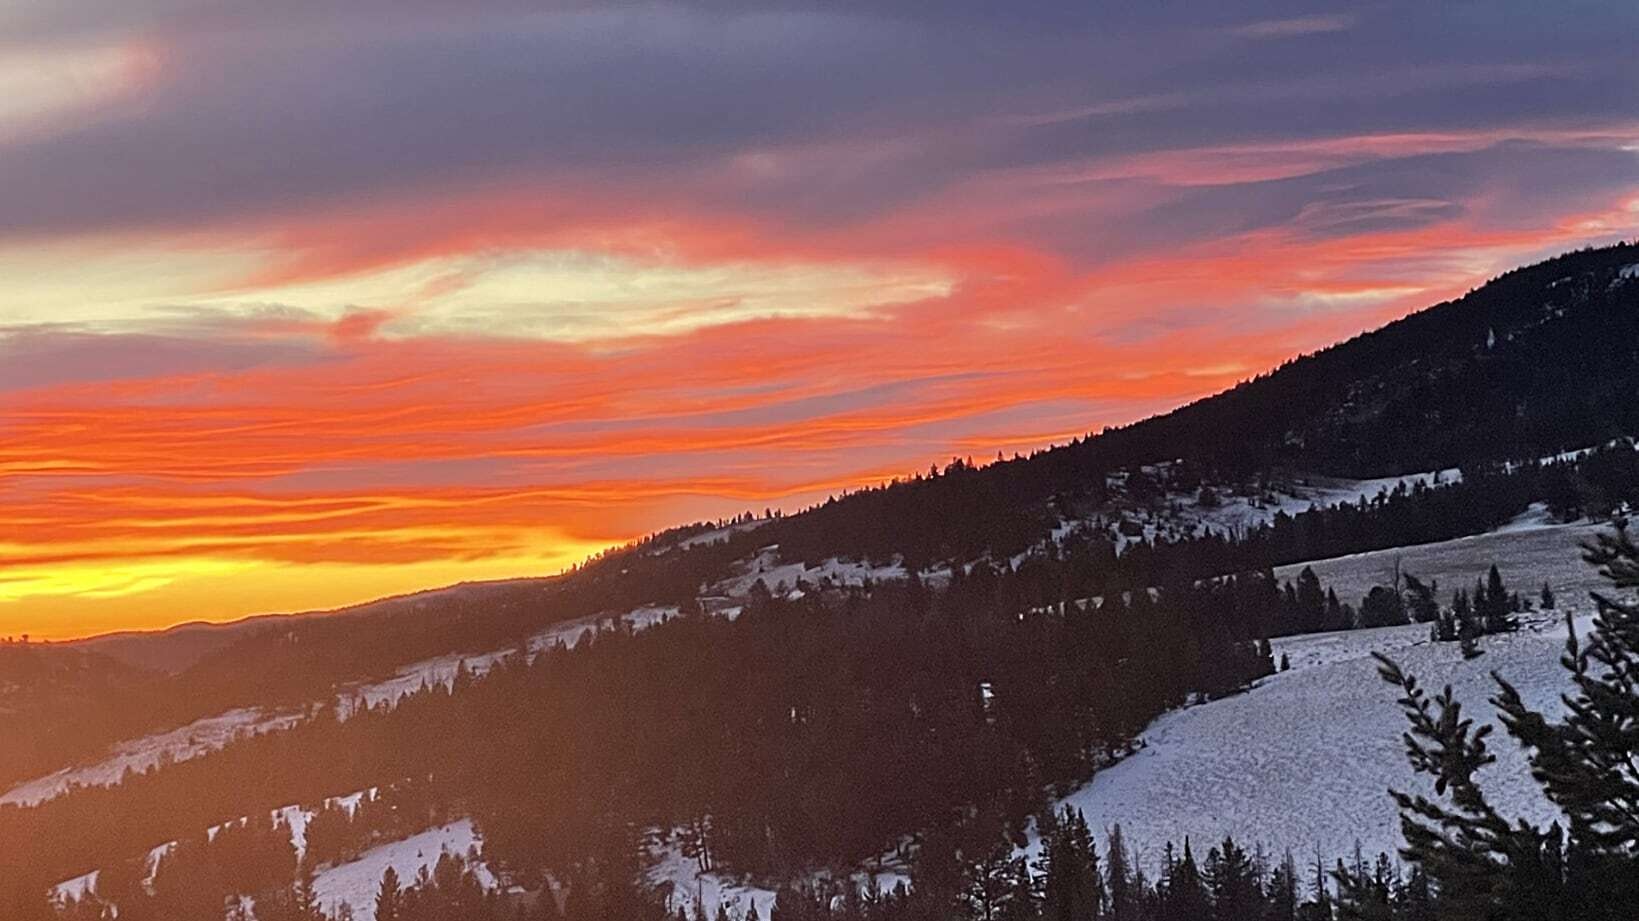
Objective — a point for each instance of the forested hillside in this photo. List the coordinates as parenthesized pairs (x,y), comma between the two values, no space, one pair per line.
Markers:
(1541,359)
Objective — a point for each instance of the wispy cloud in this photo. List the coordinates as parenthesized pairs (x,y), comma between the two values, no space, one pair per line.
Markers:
(1296,26)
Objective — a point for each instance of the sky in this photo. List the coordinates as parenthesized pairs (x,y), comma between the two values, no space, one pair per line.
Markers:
(306,303)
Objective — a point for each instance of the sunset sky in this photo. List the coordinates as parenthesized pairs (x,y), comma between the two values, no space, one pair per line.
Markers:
(303,303)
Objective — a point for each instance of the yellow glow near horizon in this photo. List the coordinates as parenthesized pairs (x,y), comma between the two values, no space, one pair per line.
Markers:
(69,602)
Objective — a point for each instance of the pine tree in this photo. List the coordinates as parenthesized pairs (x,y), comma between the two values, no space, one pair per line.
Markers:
(1337,615)
(1186,896)
(996,884)
(1072,888)
(1364,893)
(1420,599)
(1482,865)
(1548,602)
(1461,847)
(1319,906)
(1283,891)
(1588,763)
(388,900)
(1119,878)
(1024,902)
(1414,901)
(1470,621)
(1311,603)
(1497,610)
(1232,883)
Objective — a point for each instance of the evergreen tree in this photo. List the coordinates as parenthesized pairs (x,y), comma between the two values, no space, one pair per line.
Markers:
(1232,883)
(1283,891)
(1338,616)
(1420,599)
(1311,603)
(304,901)
(1072,887)
(995,885)
(1319,906)
(1364,893)
(1119,878)
(1482,865)
(1185,891)
(1588,763)
(1415,900)
(1382,607)
(1495,607)
(388,900)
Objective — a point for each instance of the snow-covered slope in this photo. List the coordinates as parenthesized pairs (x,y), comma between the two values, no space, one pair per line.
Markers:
(354,883)
(1528,552)
(1305,759)
(211,733)
(189,741)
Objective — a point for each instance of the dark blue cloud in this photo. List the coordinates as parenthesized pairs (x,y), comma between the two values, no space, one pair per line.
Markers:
(271,108)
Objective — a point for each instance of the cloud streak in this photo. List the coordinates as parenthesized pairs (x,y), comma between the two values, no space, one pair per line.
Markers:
(1297,26)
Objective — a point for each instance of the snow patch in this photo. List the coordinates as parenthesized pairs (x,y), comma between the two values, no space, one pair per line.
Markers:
(354,883)
(720,535)
(687,886)
(76,889)
(780,577)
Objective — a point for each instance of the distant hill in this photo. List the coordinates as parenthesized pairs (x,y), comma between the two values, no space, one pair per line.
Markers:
(176,649)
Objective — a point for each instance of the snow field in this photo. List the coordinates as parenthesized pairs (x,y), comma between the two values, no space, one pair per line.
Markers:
(1304,760)
(354,883)
(1527,552)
